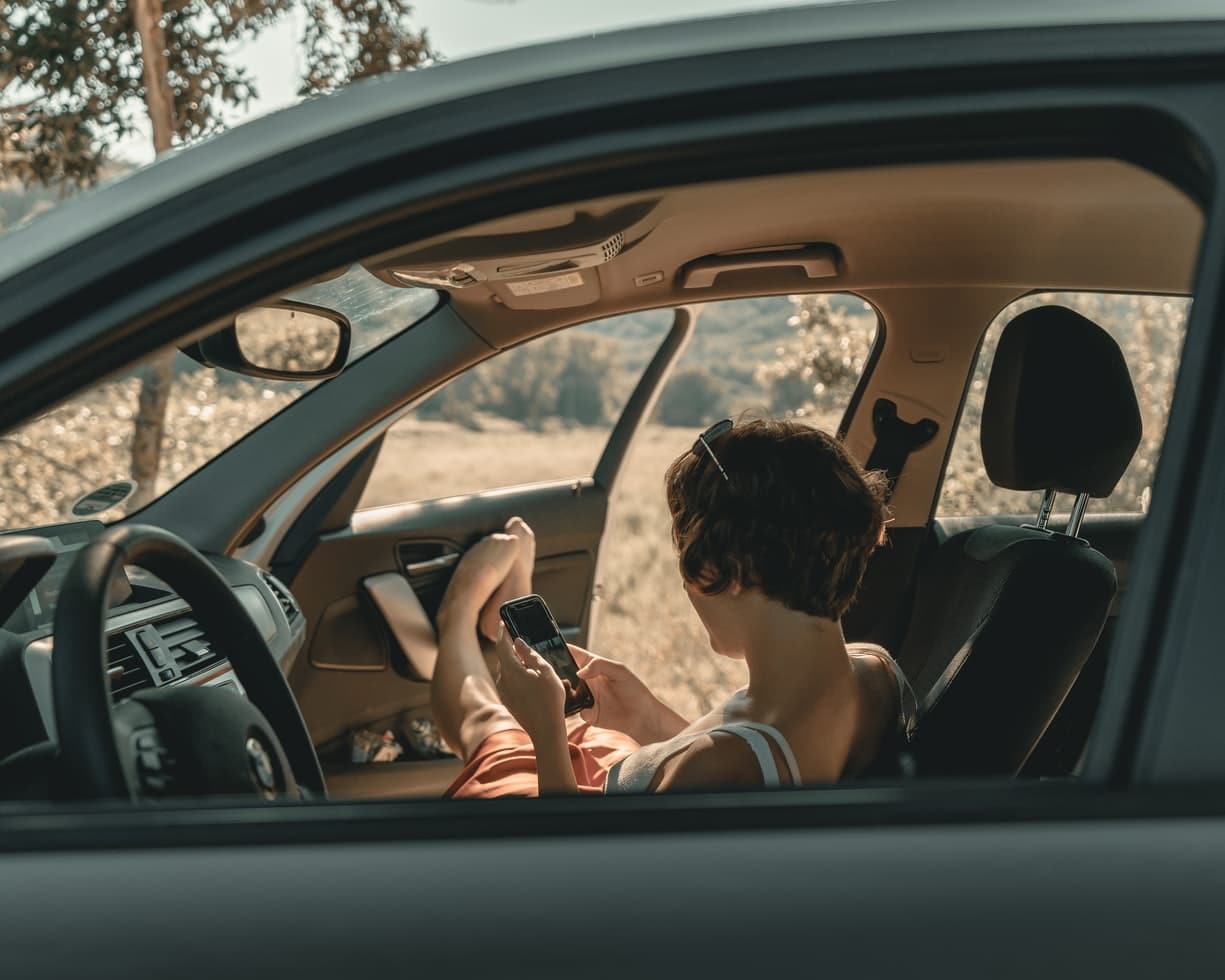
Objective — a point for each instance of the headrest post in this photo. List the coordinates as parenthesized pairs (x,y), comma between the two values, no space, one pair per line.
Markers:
(1078,515)
(1044,511)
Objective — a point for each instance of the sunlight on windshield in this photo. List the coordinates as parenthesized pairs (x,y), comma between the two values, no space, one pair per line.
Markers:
(87,442)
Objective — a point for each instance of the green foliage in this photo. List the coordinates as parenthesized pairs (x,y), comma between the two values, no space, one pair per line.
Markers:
(814,373)
(71,81)
(693,397)
(567,378)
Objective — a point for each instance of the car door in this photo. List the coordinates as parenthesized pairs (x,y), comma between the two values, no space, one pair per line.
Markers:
(396,525)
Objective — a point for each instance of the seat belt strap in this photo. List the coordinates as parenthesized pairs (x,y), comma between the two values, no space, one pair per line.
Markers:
(896,439)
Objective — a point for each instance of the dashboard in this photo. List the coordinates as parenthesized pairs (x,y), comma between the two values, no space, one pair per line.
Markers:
(152,638)
(37,608)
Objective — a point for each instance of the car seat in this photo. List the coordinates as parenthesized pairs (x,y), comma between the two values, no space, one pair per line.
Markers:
(1005,616)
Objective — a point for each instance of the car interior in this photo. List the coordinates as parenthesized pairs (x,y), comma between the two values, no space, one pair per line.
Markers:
(303,616)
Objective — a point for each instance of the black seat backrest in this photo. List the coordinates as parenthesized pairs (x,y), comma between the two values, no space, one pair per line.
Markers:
(1005,616)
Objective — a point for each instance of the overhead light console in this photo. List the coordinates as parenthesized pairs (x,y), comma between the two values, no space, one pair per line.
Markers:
(526,269)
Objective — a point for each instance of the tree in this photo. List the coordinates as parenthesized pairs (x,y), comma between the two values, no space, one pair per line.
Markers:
(691,398)
(823,362)
(76,76)
(74,79)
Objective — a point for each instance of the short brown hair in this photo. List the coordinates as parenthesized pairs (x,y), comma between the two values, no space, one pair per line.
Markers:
(797,516)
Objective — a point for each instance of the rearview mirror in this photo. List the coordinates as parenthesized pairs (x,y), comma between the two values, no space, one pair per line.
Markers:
(282,340)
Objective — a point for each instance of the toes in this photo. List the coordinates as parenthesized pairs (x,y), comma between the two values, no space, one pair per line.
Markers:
(517,579)
(521,530)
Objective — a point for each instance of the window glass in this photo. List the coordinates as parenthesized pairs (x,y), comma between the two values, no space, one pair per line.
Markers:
(541,411)
(157,423)
(1150,331)
(790,356)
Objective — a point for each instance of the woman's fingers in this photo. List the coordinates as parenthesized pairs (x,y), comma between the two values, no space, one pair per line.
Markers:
(524,654)
(599,667)
(581,657)
(508,658)
(590,669)
(534,660)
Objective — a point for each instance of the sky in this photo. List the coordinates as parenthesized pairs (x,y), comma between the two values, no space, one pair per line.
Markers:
(460,29)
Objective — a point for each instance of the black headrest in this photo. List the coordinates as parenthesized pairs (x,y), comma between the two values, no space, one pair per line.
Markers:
(1060,411)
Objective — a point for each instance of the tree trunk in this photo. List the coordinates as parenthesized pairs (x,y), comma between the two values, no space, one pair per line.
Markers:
(149,427)
(156,380)
(159,100)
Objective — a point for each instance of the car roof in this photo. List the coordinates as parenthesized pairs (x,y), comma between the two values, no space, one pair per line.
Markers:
(390,95)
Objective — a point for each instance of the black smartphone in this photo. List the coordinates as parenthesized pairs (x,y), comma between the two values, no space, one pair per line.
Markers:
(529,619)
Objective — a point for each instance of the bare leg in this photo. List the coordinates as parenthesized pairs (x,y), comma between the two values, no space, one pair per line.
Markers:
(518,581)
(463,695)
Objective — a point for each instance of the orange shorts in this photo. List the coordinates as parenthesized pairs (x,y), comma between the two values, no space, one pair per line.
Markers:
(505,763)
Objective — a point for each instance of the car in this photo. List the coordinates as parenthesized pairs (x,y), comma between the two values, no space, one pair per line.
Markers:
(983,244)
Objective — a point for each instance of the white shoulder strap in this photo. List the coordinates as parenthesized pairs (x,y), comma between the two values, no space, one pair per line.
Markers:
(909,713)
(908,707)
(749,731)
(761,749)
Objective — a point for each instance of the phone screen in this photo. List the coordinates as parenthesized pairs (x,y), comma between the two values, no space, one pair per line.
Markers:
(530,619)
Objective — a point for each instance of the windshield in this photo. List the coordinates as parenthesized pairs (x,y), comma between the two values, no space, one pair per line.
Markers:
(104,443)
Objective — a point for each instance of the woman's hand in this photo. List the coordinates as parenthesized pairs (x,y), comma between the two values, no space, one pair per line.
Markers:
(531,690)
(623,701)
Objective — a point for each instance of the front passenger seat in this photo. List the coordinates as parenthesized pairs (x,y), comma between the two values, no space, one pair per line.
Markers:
(1005,616)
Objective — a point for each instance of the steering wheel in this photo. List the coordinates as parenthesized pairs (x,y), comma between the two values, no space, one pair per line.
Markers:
(183,739)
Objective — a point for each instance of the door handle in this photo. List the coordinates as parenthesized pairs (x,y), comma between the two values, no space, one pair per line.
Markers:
(438,564)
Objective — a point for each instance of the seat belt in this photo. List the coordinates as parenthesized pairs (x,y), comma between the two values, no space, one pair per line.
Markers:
(896,439)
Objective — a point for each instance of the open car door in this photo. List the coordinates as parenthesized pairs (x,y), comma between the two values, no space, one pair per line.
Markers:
(356,572)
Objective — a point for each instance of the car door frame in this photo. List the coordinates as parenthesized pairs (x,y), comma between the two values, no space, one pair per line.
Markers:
(1146,688)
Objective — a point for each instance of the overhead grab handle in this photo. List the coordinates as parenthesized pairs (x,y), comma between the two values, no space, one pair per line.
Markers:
(817,261)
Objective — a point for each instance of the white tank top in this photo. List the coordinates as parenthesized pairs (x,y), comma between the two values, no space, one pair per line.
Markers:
(636,772)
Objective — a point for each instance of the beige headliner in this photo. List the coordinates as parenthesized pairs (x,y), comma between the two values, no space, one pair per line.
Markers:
(1078,224)
(939,249)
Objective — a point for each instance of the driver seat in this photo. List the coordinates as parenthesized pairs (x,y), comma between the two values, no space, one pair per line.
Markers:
(1005,617)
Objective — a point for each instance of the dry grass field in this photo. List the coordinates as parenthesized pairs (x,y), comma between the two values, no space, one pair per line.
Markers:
(644,618)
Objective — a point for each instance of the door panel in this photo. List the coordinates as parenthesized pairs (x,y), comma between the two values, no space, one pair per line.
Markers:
(348,678)
(568,519)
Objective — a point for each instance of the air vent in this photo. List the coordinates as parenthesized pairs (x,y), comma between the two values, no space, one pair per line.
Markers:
(192,652)
(127,672)
(292,612)
(612,248)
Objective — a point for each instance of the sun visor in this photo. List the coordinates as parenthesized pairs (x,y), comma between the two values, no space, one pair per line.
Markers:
(542,268)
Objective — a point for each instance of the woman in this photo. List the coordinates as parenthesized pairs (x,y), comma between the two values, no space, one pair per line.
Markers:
(774,523)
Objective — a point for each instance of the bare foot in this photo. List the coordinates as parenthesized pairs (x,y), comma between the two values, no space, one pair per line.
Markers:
(481,572)
(518,581)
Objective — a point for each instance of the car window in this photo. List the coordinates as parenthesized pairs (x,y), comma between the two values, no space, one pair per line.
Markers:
(541,411)
(88,445)
(798,356)
(1149,330)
